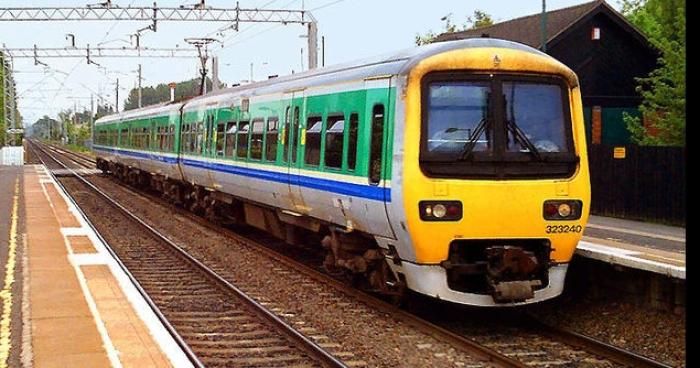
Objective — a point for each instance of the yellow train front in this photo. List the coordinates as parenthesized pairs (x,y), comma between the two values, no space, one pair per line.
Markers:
(492,190)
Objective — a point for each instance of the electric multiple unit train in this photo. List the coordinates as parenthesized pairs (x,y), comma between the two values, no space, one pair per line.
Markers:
(457,170)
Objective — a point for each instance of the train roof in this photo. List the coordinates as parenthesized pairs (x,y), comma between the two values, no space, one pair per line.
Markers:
(393,63)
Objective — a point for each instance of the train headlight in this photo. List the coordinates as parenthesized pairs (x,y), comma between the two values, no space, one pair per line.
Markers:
(440,210)
(562,209)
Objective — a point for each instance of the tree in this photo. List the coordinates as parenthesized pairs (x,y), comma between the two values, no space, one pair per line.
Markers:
(663,90)
(479,19)
(46,128)
(161,93)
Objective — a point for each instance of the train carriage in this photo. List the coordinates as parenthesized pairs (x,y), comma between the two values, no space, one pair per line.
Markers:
(457,169)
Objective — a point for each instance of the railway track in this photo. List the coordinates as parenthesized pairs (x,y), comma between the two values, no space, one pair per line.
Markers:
(221,325)
(530,343)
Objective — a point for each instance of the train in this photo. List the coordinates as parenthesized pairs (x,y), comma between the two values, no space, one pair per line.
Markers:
(457,170)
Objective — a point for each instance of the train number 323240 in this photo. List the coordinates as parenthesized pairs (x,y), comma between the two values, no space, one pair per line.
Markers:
(559,229)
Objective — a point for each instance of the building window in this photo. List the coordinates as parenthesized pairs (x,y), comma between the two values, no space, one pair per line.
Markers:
(595,33)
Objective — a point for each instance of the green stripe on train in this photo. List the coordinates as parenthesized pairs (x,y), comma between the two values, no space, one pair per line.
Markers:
(167,128)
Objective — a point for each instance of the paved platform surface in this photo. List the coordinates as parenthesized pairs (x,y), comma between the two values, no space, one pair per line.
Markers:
(641,245)
(11,252)
(75,307)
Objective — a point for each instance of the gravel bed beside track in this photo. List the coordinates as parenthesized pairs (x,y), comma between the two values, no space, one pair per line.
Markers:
(656,334)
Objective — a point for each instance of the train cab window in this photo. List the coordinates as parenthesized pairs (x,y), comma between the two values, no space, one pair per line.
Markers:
(376,145)
(242,139)
(271,139)
(537,110)
(352,141)
(220,139)
(294,133)
(256,139)
(456,113)
(231,128)
(335,127)
(312,150)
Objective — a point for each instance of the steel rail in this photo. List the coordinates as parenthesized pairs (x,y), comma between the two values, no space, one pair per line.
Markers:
(305,343)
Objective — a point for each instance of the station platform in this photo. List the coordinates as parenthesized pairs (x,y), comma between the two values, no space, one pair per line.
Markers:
(65,300)
(639,245)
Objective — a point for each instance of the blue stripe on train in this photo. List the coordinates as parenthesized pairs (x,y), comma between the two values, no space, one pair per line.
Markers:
(326,185)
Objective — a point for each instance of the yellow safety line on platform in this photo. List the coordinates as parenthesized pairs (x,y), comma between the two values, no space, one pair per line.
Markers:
(6,293)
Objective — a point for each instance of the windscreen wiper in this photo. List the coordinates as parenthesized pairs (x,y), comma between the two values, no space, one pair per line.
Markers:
(469,146)
(520,136)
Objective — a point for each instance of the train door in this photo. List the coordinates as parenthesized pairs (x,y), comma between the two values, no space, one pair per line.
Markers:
(378,120)
(292,141)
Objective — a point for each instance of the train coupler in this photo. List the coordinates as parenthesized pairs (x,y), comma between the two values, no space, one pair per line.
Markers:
(510,271)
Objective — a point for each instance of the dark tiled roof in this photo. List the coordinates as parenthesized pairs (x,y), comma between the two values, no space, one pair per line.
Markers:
(527,29)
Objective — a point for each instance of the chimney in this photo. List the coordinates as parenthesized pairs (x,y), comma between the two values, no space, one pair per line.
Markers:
(172,86)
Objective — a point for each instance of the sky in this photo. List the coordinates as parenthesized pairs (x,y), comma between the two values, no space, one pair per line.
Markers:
(353,29)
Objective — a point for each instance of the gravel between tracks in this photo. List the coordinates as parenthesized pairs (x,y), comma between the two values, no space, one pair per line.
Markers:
(370,337)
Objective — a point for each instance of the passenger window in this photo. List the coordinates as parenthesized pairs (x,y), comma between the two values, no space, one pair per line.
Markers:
(220,139)
(124,138)
(293,134)
(230,138)
(312,151)
(375,155)
(242,140)
(199,144)
(352,141)
(286,137)
(256,139)
(335,126)
(271,139)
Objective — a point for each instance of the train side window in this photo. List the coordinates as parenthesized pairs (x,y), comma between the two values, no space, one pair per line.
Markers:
(312,147)
(171,137)
(376,142)
(199,144)
(335,127)
(286,133)
(294,133)
(256,139)
(271,139)
(242,139)
(352,141)
(185,138)
(220,131)
(230,138)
